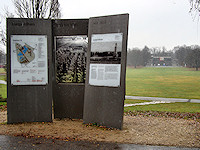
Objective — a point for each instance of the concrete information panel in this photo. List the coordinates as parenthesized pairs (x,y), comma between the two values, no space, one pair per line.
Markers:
(29,60)
(106,69)
(70,50)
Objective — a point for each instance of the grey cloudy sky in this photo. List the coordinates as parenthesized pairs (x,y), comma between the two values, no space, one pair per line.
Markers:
(154,23)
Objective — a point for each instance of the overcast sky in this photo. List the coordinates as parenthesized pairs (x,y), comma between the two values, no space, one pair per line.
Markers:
(154,23)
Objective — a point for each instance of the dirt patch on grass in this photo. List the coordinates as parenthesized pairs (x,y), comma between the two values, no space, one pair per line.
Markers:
(180,115)
(136,130)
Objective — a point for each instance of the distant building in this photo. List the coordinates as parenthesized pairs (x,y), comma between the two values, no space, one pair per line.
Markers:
(162,61)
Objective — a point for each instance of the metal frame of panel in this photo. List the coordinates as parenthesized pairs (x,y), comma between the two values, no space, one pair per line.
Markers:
(29,103)
(68,98)
(104,105)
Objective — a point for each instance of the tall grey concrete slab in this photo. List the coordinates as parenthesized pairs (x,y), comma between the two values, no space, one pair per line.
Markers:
(27,102)
(68,97)
(104,104)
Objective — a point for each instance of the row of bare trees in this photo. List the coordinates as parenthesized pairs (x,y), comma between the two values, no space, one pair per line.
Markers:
(188,56)
(137,57)
(49,9)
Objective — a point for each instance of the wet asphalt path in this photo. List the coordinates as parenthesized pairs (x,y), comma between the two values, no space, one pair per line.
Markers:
(22,143)
(3,82)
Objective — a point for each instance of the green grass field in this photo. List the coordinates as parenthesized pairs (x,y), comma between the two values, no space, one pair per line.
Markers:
(158,82)
(2,77)
(3,88)
(3,103)
(2,70)
(163,82)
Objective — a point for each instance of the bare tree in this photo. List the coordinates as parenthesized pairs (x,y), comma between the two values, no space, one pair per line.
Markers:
(195,8)
(193,58)
(134,57)
(2,36)
(2,26)
(182,53)
(49,9)
(188,56)
(146,55)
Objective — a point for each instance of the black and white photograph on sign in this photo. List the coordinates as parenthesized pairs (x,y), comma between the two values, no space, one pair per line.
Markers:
(29,60)
(105,75)
(71,58)
(106,48)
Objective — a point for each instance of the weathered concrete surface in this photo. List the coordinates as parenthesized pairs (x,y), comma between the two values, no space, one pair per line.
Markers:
(99,99)
(29,103)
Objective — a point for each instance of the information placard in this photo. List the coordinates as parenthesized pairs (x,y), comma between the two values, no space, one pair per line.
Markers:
(105,59)
(71,54)
(29,60)
(105,75)
(106,48)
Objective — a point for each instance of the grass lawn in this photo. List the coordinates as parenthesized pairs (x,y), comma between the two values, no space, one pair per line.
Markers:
(2,77)
(3,103)
(169,107)
(163,82)
(2,70)
(3,90)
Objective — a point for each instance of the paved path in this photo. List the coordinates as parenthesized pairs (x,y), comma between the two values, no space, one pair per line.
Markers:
(146,103)
(3,82)
(21,143)
(163,99)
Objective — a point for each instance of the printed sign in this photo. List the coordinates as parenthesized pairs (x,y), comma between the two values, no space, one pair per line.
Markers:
(71,54)
(105,74)
(105,67)
(106,47)
(29,60)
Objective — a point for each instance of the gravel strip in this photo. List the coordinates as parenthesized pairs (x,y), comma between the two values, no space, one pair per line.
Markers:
(139,129)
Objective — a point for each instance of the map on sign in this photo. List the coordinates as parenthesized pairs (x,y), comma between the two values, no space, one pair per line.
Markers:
(29,62)
(25,53)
